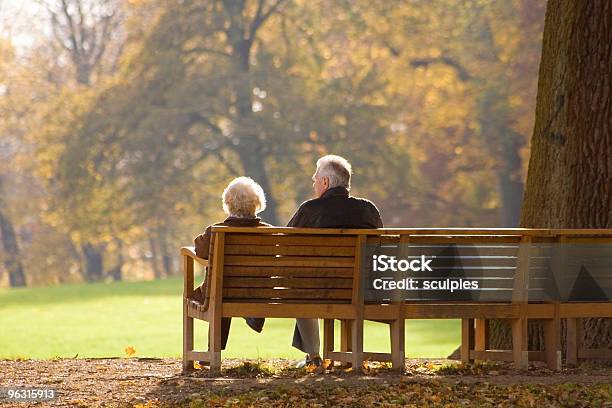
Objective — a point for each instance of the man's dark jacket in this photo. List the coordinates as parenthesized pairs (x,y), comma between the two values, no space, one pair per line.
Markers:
(334,209)
(337,209)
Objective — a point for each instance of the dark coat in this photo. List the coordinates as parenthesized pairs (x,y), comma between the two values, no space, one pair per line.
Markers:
(202,241)
(337,209)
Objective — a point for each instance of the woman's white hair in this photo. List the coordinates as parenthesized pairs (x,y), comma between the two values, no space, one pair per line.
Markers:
(243,197)
(337,170)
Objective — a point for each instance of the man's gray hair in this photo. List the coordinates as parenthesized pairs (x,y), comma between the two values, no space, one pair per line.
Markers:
(337,169)
(243,197)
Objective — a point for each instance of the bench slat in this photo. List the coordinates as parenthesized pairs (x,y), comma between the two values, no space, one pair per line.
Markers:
(440,262)
(247,260)
(297,283)
(412,231)
(458,311)
(301,272)
(499,295)
(302,240)
(295,294)
(323,303)
(420,239)
(247,249)
(305,309)
(467,249)
(472,273)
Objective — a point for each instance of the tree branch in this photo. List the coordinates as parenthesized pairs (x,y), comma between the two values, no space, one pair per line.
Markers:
(208,51)
(71,32)
(261,17)
(464,75)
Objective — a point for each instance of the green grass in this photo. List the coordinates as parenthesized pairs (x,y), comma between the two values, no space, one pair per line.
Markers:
(101,320)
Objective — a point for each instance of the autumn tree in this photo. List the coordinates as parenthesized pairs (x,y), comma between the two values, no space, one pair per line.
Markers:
(11,254)
(88,33)
(431,102)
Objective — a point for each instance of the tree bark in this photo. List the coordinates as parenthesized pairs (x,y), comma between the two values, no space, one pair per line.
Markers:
(568,182)
(12,261)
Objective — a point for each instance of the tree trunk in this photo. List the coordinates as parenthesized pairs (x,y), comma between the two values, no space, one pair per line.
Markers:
(253,164)
(93,270)
(504,144)
(248,145)
(157,272)
(12,261)
(116,273)
(510,182)
(166,258)
(568,183)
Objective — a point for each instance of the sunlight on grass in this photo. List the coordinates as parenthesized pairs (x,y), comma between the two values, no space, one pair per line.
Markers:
(102,319)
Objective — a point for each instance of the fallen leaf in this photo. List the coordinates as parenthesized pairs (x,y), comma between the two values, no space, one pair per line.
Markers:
(130,351)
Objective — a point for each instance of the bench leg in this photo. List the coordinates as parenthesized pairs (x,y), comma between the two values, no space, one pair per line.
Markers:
(187,340)
(214,345)
(328,338)
(345,337)
(520,355)
(552,343)
(574,337)
(396,328)
(357,344)
(467,339)
(481,334)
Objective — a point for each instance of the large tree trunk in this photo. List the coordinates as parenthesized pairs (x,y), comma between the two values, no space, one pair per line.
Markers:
(568,184)
(12,260)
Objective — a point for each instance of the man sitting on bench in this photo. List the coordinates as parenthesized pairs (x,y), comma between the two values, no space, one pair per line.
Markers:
(333,207)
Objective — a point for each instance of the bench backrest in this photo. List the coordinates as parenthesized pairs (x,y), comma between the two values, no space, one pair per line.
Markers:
(506,267)
(286,268)
(283,265)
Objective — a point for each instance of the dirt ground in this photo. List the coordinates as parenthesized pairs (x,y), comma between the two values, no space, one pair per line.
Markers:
(159,382)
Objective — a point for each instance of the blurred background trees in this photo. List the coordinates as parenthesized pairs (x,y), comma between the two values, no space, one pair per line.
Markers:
(122,121)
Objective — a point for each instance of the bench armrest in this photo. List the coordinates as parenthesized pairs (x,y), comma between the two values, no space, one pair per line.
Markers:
(190,256)
(190,252)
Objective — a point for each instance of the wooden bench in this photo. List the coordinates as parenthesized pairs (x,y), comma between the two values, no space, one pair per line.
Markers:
(316,273)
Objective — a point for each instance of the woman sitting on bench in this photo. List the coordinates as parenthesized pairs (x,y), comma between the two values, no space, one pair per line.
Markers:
(242,199)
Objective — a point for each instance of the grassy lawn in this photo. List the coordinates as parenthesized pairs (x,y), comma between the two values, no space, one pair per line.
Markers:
(101,320)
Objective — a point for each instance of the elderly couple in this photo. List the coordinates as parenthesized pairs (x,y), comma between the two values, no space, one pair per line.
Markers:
(333,207)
